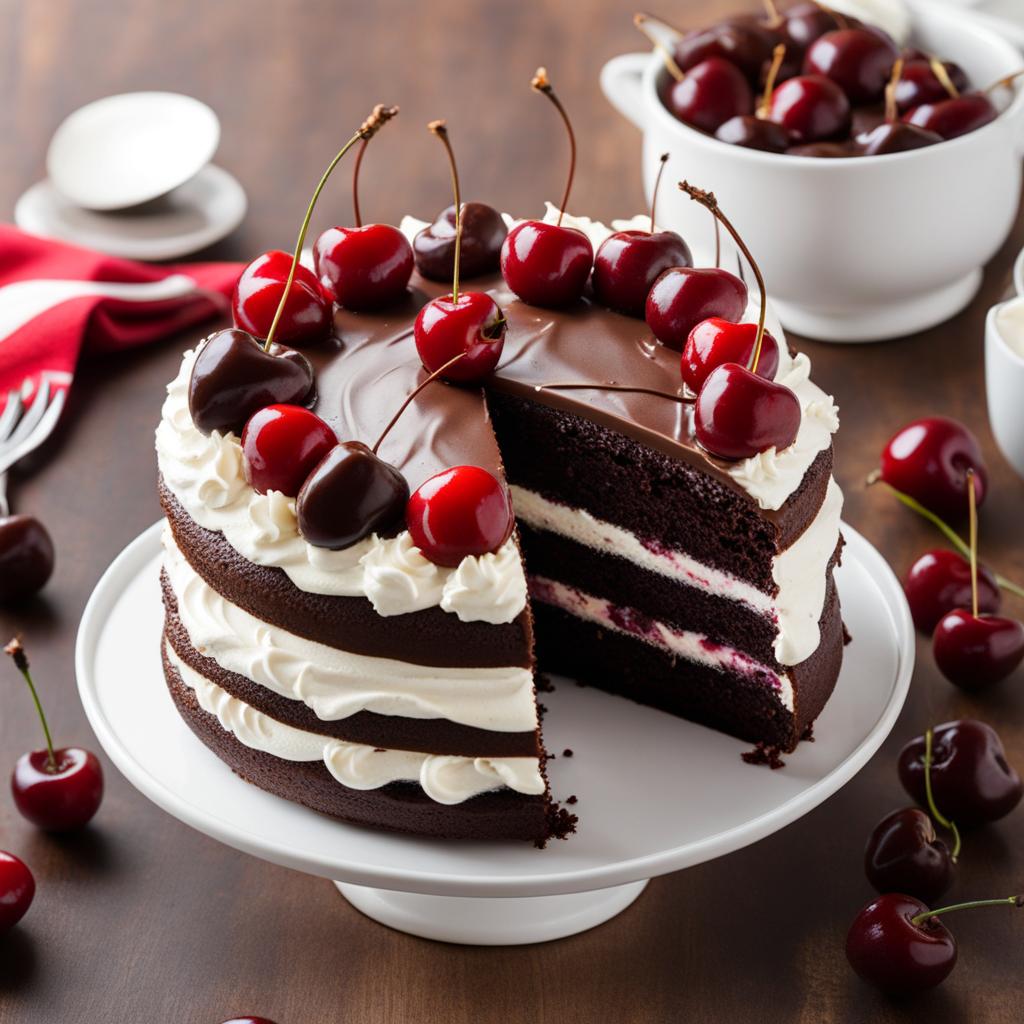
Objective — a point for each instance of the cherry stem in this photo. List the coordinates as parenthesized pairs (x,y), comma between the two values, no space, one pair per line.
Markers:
(778,56)
(412,394)
(708,199)
(657,183)
(972,505)
(578,386)
(1006,81)
(379,116)
(1009,901)
(947,531)
(17,653)
(440,129)
(356,212)
(936,813)
(891,110)
(774,18)
(541,83)
(640,20)
(940,72)
(718,242)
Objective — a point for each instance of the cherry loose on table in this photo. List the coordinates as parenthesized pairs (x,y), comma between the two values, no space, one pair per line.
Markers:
(281,445)
(975,651)
(26,557)
(483,233)
(684,296)
(904,855)
(940,581)
(857,60)
(364,268)
(17,889)
(952,118)
(811,108)
(716,341)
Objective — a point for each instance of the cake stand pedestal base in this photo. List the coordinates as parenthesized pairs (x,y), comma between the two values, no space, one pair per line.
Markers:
(478,921)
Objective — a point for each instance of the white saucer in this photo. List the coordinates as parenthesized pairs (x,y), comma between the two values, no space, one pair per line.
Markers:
(202,211)
(656,794)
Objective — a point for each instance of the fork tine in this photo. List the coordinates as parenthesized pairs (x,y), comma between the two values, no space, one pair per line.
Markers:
(12,410)
(33,414)
(44,427)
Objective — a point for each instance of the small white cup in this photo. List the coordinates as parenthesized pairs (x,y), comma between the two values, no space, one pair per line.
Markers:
(1004,378)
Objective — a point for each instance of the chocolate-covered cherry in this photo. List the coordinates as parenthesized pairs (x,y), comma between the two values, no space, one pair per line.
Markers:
(459,512)
(940,581)
(975,651)
(716,341)
(26,557)
(857,60)
(685,296)
(483,232)
(972,781)
(952,118)
(234,376)
(709,94)
(306,317)
(811,108)
(919,83)
(17,889)
(365,267)
(903,854)
(281,445)
(754,132)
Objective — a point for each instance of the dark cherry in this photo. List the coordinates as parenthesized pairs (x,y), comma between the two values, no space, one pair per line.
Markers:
(753,132)
(918,83)
(716,341)
(306,317)
(349,495)
(858,61)
(929,459)
(804,23)
(896,137)
(684,296)
(473,324)
(825,150)
(951,118)
(281,445)
(483,232)
(546,264)
(629,262)
(904,855)
(364,268)
(890,951)
(811,108)
(459,512)
(972,781)
(742,43)
(17,888)
(975,651)
(233,378)
(940,581)
(26,557)
(710,93)
(60,797)
(866,118)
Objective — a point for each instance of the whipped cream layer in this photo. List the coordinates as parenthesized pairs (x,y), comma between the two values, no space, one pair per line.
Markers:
(335,684)
(445,779)
(684,644)
(206,475)
(799,571)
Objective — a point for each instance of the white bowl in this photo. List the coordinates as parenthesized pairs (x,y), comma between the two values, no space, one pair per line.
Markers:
(855,249)
(1004,378)
(125,150)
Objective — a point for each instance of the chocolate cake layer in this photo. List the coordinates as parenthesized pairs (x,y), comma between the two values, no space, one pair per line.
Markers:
(428,735)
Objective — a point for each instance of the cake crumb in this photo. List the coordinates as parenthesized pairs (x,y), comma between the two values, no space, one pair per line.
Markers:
(807,736)
(567,752)
(764,753)
(544,684)
(571,799)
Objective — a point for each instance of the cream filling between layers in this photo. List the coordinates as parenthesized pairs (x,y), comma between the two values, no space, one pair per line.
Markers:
(333,683)
(799,571)
(446,779)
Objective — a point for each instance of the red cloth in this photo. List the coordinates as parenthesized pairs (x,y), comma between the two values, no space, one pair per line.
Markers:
(56,303)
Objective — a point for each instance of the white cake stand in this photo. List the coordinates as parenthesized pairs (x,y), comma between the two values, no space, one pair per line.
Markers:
(656,794)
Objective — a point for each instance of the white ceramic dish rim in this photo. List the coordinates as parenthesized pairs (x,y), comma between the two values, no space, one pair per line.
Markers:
(436,883)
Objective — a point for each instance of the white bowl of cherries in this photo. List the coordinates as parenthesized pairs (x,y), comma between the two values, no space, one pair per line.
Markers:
(873,181)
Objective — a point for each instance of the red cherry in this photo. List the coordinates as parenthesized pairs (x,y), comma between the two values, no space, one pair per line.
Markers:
(364,268)
(716,341)
(858,61)
(747,46)
(546,265)
(17,887)
(895,137)
(929,459)
(919,85)
(754,132)
(904,855)
(806,22)
(709,94)
(684,296)
(473,324)
(281,445)
(739,414)
(459,512)
(940,581)
(973,651)
(951,118)
(61,798)
(811,108)
(306,317)
(629,262)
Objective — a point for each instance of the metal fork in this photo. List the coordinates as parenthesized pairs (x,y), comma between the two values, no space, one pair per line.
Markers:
(22,429)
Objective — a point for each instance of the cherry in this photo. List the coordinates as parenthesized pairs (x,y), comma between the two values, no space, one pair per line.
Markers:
(716,341)
(893,135)
(709,94)
(629,262)
(928,460)
(951,118)
(753,132)
(921,83)
(971,780)
(26,557)
(811,108)
(745,46)
(858,61)
(547,264)
(306,318)
(57,790)
(825,150)
(17,889)
(483,232)
(459,512)
(974,651)
(806,22)
(904,855)
(281,445)
(684,296)
(940,581)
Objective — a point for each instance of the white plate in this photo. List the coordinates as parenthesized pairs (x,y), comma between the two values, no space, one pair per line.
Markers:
(131,148)
(202,211)
(655,793)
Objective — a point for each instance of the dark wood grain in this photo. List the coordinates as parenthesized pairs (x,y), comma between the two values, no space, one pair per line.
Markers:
(142,919)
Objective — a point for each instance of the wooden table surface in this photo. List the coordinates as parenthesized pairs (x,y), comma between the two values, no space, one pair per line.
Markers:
(142,919)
